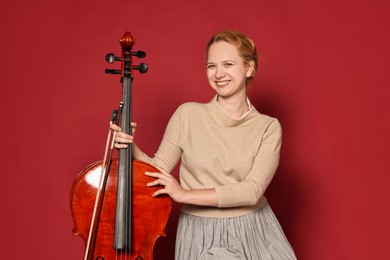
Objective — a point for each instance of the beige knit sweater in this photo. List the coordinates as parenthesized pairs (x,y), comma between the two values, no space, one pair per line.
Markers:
(237,157)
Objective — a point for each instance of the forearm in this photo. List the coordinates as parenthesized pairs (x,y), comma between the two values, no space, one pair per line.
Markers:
(138,154)
(200,197)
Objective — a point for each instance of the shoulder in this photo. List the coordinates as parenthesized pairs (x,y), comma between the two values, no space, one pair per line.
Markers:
(190,107)
(186,112)
(190,113)
(267,126)
(266,120)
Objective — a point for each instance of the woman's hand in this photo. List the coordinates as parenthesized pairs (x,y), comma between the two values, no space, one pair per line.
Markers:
(201,197)
(122,139)
(171,185)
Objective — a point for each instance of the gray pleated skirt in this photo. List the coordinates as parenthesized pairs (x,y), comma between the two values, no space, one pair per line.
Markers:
(255,236)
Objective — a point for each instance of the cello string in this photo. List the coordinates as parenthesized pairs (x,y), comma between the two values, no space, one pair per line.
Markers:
(118,122)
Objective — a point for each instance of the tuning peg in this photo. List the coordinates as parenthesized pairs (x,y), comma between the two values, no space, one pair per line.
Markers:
(139,54)
(142,68)
(111,71)
(110,58)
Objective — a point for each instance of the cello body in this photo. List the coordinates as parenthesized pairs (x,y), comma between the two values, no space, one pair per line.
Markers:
(150,215)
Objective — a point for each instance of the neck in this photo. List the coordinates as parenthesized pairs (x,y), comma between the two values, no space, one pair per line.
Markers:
(235,106)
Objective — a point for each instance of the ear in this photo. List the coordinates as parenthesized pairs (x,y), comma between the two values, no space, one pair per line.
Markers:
(250,69)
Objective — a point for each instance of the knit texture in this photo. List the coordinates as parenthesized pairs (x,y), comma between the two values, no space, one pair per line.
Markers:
(237,157)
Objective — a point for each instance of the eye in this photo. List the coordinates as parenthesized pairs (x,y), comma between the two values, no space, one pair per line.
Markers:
(228,64)
(210,66)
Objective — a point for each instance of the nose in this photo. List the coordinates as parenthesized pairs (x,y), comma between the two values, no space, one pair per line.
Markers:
(219,73)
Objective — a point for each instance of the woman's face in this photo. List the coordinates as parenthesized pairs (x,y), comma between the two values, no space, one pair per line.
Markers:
(226,70)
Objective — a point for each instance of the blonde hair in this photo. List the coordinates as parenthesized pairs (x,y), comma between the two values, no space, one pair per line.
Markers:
(245,46)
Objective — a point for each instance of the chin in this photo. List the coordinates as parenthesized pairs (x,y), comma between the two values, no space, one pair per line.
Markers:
(222,91)
(224,94)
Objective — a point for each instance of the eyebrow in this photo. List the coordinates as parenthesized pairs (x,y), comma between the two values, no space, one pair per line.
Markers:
(222,61)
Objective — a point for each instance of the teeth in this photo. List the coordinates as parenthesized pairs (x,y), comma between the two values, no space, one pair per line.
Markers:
(221,83)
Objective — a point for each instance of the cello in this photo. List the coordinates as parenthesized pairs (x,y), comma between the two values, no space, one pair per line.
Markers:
(112,208)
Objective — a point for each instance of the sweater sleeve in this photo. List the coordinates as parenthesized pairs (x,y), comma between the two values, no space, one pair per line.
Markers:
(252,187)
(169,151)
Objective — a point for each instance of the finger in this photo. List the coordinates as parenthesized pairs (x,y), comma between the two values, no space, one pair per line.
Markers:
(123,135)
(166,174)
(161,176)
(159,192)
(153,174)
(115,127)
(123,138)
(133,127)
(154,183)
(120,146)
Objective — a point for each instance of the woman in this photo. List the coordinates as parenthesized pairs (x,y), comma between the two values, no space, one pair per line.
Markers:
(229,153)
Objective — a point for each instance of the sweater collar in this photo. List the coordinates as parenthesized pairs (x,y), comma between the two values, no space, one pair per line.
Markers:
(223,118)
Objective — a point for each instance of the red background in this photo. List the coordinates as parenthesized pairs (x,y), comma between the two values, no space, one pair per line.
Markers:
(323,73)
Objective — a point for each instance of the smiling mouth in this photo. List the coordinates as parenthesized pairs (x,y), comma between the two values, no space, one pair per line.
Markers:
(222,83)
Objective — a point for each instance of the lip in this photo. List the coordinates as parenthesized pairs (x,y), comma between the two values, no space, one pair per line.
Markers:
(222,83)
